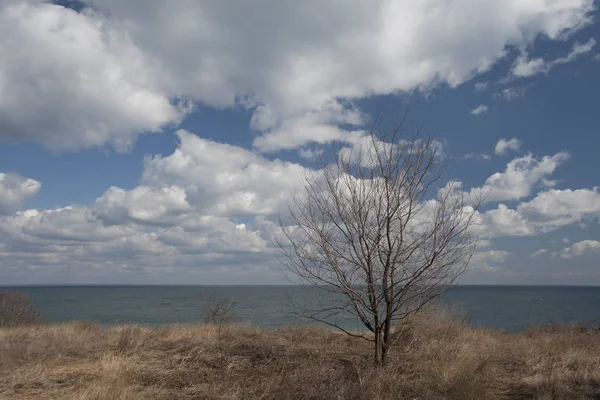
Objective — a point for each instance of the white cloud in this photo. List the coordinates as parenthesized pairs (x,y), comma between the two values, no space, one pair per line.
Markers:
(224,238)
(481,109)
(185,216)
(488,261)
(505,145)
(476,156)
(314,127)
(480,86)
(538,253)
(484,244)
(578,49)
(510,94)
(101,77)
(14,189)
(143,205)
(71,244)
(66,225)
(310,154)
(548,211)
(581,248)
(69,81)
(555,208)
(211,208)
(548,182)
(502,221)
(518,180)
(525,67)
(224,180)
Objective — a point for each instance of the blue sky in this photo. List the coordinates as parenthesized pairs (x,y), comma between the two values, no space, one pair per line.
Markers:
(159,145)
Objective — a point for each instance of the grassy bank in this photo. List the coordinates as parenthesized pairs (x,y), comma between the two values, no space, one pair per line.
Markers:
(438,358)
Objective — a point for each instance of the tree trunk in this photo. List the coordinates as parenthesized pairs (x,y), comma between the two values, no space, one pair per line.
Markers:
(378,360)
(382,342)
(385,345)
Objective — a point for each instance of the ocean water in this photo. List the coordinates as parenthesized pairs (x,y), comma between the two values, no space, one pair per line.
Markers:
(508,308)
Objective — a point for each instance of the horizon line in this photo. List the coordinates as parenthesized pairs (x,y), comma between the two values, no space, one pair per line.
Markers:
(258,285)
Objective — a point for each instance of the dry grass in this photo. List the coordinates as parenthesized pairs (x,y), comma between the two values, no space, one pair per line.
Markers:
(437,358)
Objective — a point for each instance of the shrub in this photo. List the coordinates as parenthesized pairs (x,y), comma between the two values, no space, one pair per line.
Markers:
(219,312)
(16,310)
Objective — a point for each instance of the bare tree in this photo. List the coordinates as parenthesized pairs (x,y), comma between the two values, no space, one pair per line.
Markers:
(222,314)
(16,309)
(376,231)
(219,312)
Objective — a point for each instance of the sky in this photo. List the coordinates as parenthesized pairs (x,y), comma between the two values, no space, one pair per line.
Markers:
(159,142)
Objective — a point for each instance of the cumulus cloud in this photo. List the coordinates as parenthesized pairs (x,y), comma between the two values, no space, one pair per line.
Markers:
(67,225)
(209,205)
(489,261)
(505,145)
(14,189)
(481,109)
(211,208)
(224,180)
(502,221)
(581,248)
(206,208)
(78,230)
(104,75)
(556,208)
(517,181)
(223,238)
(142,205)
(546,212)
(313,127)
(69,81)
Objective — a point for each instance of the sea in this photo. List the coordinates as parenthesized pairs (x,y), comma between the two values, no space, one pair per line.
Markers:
(508,308)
